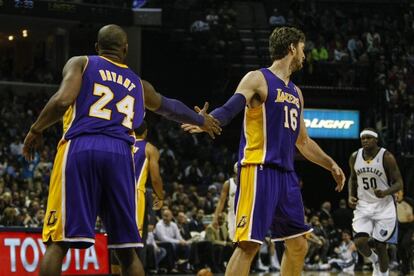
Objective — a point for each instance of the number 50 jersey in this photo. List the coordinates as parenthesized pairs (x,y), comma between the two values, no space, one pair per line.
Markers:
(371,176)
(110,102)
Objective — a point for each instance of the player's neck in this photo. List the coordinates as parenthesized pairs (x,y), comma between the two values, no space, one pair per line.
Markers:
(112,57)
(281,68)
(370,153)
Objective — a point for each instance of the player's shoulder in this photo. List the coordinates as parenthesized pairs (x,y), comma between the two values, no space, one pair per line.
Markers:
(151,148)
(78,59)
(388,156)
(353,156)
(254,76)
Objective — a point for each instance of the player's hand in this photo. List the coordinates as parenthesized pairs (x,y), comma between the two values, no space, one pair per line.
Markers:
(191,128)
(157,204)
(32,142)
(339,177)
(380,193)
(211,124)
(352,202)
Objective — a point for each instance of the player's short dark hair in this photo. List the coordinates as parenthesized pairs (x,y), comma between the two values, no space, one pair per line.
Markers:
(346,231)
(280,40)
(141,129)
(111,38)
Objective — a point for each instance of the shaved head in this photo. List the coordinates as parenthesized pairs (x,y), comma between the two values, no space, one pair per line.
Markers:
(112,39)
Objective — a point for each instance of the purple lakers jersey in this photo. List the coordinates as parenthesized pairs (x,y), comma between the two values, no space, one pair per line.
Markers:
(270,130)
(110,102)
(140,163)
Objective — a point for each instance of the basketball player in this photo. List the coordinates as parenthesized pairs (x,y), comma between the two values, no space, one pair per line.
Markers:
(228,193)
(146,157)
(101,101)
(269,195)
(375,177)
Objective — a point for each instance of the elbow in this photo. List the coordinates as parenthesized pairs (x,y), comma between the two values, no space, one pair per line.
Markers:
(62,104)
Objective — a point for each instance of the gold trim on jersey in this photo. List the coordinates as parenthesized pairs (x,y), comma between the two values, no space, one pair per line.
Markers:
(86,65)
(246,203)
(69,117)
(54,223)
(115,63)
(140,190)
(255,135)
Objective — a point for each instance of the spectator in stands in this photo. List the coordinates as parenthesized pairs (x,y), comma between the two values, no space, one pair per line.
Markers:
(168,234)
(222,246)
(325,211)
(405,207)
(343,216)
(196,224)
(183,226)
(154,250)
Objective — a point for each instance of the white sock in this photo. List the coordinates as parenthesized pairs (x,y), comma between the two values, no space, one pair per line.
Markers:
(274,261)
(373,257)
(386,273)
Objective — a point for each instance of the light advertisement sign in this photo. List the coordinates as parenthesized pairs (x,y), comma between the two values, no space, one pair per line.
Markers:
(332,123)
(21,252)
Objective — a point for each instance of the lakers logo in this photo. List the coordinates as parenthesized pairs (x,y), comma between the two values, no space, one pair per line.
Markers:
(52,218)
(242,222)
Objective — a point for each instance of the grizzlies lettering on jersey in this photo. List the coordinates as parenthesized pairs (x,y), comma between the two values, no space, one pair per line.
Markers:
(270,130)
(110,102)
(370,176)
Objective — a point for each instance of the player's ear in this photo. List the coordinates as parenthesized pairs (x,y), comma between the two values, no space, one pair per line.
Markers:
(292,48)
(96,47)
(126,50)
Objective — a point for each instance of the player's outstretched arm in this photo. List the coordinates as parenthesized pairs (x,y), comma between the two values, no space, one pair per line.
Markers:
(57,104)
(352,183)
(252,85)
(177,111)
(393,174)
(154,171)
(311,151)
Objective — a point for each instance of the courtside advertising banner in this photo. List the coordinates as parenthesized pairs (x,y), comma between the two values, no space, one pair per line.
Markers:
(332,123)
(21,252)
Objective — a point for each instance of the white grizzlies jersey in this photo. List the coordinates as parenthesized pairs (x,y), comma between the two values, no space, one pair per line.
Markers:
(231,217)
(370,176)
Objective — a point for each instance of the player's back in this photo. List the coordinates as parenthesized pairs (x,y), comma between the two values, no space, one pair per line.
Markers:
(109,103)
(270,130)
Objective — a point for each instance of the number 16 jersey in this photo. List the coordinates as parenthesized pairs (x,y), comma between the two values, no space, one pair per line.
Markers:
(370,176)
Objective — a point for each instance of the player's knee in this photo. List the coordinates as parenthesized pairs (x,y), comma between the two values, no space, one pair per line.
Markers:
(297,246)
(249,248)
(126,256)
(361,239)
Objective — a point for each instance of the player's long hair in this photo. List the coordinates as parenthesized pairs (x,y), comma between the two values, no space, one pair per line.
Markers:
(280,40)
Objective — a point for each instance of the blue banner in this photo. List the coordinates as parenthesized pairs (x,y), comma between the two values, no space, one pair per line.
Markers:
(331,123)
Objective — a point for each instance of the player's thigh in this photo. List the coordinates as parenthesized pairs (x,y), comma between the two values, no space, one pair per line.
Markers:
(256,198)
(289,218)
(385,222)
(77,200)
(363,221)
(119,199)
